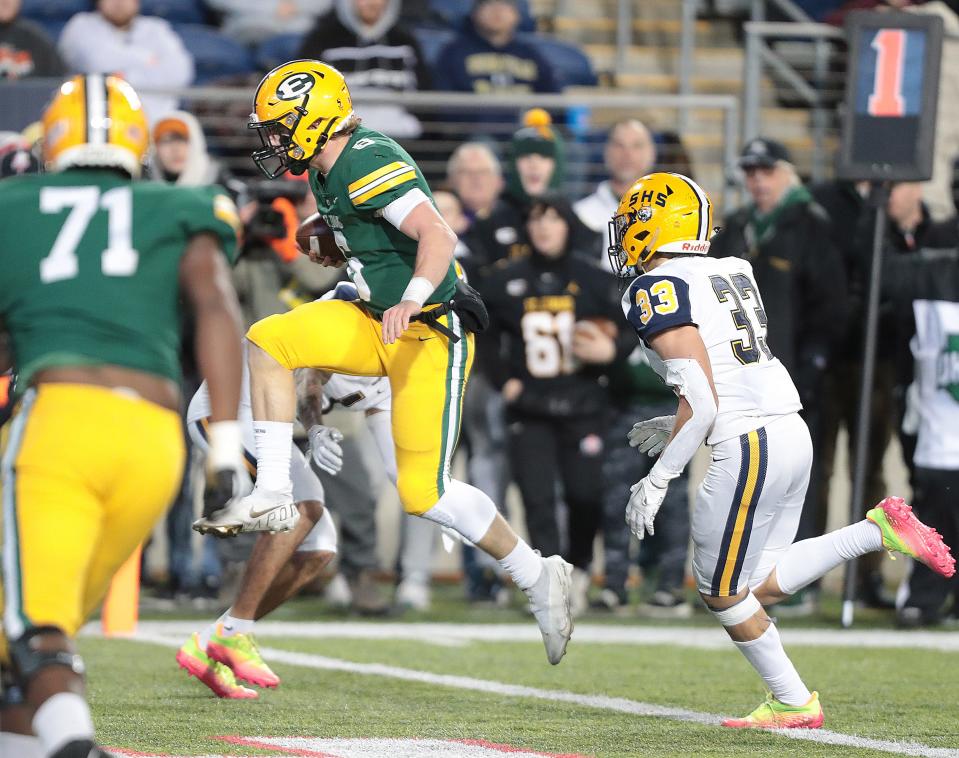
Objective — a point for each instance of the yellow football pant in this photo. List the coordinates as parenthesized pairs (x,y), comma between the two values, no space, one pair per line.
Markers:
(427,373)
(87,472)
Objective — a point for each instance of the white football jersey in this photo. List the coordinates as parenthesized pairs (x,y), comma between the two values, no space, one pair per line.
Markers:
(355,393)
(935,347)
(720,297)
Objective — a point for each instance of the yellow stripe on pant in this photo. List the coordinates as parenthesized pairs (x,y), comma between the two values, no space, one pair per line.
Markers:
(735,541)
(87,473)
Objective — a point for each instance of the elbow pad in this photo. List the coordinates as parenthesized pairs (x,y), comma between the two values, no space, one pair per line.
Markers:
(686,376)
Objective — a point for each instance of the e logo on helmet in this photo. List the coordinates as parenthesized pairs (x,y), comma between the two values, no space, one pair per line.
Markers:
(645,213)
(295,86)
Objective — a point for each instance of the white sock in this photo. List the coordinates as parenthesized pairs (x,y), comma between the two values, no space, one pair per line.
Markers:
(20,745)
(523,565)
(232,625)
(804,562)
(767,656)
(211,630)
(62,718)
(274,440)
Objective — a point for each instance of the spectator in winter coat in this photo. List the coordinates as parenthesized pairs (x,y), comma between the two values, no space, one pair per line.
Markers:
(375,53)
(486,57)
(144,50)
(25,49)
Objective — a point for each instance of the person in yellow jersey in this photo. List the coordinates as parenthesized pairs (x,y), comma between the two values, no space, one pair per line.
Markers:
(703,328)
(413,324)
(95,267)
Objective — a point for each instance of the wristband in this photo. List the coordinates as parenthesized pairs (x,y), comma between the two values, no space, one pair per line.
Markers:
(418,290)
(226,445)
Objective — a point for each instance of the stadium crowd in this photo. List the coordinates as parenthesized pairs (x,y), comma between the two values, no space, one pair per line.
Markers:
(559,380)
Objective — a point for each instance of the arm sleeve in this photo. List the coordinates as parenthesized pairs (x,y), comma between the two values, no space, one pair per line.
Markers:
(210,209)
(384,175)
(653,304)
(686,376)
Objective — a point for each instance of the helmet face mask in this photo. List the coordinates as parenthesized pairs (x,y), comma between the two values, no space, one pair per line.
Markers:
(660,213)
(277,156)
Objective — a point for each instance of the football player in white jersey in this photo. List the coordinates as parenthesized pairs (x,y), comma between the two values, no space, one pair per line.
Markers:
(281,564)
(702,324)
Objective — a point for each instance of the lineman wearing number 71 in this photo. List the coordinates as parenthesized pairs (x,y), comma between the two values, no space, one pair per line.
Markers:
(702,324)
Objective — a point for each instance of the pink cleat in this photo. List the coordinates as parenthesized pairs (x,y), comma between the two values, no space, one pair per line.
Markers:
(903,533)
(214,675)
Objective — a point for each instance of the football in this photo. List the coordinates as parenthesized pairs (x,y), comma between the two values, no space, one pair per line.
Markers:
(316,239)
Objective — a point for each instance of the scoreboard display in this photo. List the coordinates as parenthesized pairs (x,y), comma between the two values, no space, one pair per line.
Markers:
(892,91)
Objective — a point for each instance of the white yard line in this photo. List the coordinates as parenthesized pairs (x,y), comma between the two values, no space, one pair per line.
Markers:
(709,638)
(601,702)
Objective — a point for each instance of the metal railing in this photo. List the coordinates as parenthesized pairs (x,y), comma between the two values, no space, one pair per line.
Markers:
(804,75)
(448,119)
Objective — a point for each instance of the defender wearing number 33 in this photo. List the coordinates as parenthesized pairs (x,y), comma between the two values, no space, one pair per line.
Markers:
(413,324)
(702,324)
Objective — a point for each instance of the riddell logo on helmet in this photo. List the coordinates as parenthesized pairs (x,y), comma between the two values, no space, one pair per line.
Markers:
(695,247)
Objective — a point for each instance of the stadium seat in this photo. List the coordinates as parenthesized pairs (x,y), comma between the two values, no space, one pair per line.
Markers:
(276,50)
(573,67)
(174,11)
(215,54)
(431,42)
(39,10)
(454,13)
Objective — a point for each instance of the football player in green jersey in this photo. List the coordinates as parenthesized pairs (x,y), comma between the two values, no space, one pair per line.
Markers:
(94,265)
(412,324)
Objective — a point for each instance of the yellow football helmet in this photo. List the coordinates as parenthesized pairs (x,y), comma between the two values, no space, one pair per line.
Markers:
(660,213)
(95,120)
(296,109)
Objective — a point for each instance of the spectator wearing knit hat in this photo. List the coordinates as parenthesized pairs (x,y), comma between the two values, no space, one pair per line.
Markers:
(535,165)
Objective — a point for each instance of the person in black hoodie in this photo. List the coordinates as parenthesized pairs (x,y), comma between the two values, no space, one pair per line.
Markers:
(554,332)
(363,39)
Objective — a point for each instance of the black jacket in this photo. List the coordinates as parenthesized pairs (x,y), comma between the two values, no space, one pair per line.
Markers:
(26,50)
(802,280)
(502,235)
(398,64)
(533,304)
(852,223)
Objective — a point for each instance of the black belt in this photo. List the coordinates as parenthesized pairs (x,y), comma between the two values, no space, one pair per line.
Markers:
(432,319)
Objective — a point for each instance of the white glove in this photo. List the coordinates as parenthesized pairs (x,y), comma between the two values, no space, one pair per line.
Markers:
(652,435)
(325,448)
(644,503)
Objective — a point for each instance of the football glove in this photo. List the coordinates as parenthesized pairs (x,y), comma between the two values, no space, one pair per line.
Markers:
(325,448)
(226,475)
(651,436)
(644,503)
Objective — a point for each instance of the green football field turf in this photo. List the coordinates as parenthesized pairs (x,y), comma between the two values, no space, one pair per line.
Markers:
(142,702)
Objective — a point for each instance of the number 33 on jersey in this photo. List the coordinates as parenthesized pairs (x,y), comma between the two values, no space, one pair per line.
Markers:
(720,298)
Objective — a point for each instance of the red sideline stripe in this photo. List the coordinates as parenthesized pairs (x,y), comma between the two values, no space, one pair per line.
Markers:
(513,749)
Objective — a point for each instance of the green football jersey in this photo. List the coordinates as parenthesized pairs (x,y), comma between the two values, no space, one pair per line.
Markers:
(370,173)
(90,264)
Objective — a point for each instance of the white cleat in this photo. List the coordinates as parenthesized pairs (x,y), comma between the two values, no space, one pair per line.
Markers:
(549,602)
(260,511)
